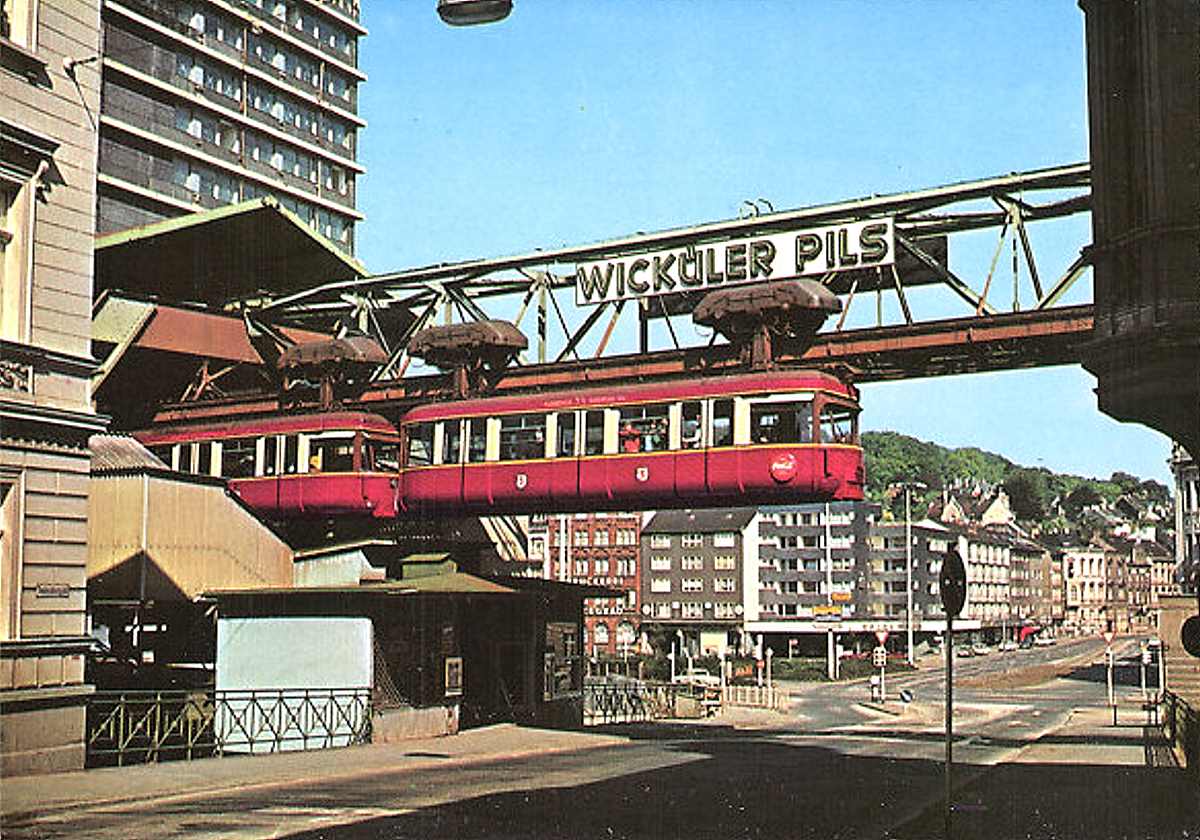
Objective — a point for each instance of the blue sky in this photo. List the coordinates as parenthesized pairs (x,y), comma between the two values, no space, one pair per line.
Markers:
(573,122)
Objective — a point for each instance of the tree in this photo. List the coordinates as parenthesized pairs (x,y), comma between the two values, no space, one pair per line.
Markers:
(1028,493)
(1081,497)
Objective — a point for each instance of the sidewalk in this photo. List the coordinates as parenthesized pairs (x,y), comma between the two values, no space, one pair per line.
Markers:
(202,777)
(1087,779)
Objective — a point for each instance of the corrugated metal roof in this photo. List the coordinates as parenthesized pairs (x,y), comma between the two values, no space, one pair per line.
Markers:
(112,453)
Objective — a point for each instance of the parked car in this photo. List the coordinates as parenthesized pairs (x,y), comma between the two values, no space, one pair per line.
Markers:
(1008,644)
(964,651)
(980,649)
(1044,641)
(698,676)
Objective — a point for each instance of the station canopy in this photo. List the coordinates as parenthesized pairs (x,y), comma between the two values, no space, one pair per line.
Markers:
(236,252)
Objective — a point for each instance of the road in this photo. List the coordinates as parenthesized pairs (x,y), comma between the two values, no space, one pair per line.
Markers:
(831,768)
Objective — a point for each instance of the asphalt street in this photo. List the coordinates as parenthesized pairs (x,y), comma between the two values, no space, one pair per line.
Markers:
(833,767)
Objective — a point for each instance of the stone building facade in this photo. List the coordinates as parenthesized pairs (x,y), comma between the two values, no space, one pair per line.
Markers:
(50,90)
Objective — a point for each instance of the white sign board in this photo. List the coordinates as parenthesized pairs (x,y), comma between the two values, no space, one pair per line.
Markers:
(291,659)
(812,252)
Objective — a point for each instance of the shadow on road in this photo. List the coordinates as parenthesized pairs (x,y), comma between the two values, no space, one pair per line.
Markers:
(759,788)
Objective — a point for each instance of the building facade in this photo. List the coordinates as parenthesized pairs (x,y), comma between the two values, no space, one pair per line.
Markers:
(1187,515)
(1085,579)
(809,563)
(600,549)
(693,575)
(49,93)
(988,559)
(206,103)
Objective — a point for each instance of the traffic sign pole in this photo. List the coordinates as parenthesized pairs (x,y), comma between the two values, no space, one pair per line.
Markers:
(952,585)
(949,648)
(1108,655)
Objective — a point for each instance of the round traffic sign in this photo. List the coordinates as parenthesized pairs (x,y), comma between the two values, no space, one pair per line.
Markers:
(953,583)
(1189,634)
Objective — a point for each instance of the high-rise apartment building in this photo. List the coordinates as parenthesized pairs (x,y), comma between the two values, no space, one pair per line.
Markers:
(206,103)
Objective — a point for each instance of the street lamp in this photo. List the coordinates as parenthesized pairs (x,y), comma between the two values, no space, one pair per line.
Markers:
(473,12)
(908,487)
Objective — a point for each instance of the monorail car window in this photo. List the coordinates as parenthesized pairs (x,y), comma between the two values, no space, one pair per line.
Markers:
(522,437)
(643,428)
(476,440)
(722,423)
(838,424)
(781,422)
(452,440)
(382,455)
(270,455)
(331,454)
(690,436)
(565,424)
(291,454)
(593,433)
(203,457)
(237,457)
(163,453)
(420,445)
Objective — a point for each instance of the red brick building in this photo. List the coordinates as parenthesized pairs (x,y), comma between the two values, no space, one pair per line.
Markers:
(600,549)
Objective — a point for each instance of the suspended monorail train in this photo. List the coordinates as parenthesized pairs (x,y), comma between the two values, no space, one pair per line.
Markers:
(760,438)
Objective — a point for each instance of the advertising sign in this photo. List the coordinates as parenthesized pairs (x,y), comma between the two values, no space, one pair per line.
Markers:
(756,259)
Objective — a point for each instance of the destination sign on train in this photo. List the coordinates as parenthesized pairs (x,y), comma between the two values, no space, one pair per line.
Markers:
(755,259)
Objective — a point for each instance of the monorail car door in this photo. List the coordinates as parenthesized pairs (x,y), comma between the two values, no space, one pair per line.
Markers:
(687,441)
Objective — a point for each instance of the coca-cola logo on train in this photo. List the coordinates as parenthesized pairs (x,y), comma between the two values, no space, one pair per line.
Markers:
(756,259)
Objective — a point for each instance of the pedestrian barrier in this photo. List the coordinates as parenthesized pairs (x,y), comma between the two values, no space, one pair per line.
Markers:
(135,727)
(1181,725)
(607,702)
(755,696)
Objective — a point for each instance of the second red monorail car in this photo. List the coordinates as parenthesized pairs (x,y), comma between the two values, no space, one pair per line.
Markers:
(763,438)
(342,463)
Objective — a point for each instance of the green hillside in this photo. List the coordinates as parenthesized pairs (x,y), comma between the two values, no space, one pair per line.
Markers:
(892,457)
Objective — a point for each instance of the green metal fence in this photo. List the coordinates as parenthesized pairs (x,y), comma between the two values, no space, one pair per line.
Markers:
(135,727)
(1181,725)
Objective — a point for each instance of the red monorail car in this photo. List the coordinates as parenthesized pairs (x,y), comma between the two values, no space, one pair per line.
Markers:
(763,438)
(316,465)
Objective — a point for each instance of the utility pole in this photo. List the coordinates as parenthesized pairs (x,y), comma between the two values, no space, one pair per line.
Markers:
(908,487)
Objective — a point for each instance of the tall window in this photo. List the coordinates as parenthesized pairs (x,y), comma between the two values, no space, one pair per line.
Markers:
(722,423)
(14,276)
(565,421)
(18,22)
